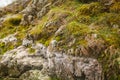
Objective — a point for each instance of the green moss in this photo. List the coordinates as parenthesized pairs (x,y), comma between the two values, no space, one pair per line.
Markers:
(12,20)
(55,78)
(58,38)
(31,50)
(10,25)
(76,29)
(7,47)
(109,35)
(36,30)
(86,1)
(90,9)
(84,19)
(109,19)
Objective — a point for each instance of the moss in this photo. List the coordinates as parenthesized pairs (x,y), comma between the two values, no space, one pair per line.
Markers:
(47,43)
(12,20)
(109,19)
(115,8)
(84,19)
(76,29)
(31,50)
(1,79)
(55,78)
(90,9)
(73,31)
(109,35)
(7,47)
(57,38)
(86,1)
(36,30)
(10,25)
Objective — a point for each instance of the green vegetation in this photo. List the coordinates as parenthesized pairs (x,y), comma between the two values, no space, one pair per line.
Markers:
(12,20)
(4,48)
(76,29)
(90,9)
(31,50)
(115,8)
(54,78)
(109,19)
(110,64)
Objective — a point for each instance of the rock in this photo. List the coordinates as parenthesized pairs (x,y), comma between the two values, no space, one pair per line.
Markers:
(52,46)
(36,9)
(43,11)
(40,50)
(9,38)
(95,46)
(77,68)
(109,2)
(27,42)
(34,75)
(17,61)
(60,30)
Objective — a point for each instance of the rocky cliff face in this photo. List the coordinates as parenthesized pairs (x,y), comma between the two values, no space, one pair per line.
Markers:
(60,40)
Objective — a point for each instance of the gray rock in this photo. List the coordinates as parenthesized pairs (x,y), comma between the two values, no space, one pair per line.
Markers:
(75,68)
(19,63)
(34,75)
(27,42)
(9,38)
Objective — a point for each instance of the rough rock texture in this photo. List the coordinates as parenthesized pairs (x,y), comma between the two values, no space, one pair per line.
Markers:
(10,38)
(74,68)
(37,9)
(18,61)
(34,75)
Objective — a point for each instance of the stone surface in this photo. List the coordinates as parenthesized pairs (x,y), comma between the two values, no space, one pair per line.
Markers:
(34,75)
(19,61)
(9,38)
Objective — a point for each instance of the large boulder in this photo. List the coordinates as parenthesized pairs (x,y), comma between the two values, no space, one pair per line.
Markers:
(20,63)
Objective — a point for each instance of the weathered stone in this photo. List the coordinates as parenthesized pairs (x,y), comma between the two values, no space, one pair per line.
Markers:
(9,38)
(34,75)
(17,61)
